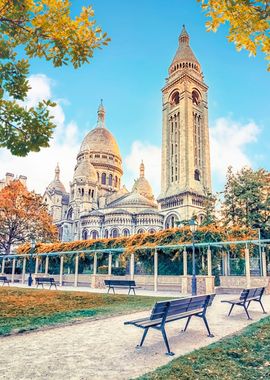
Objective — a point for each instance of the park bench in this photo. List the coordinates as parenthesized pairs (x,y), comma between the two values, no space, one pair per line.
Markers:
(246,297)
(45,280)
(5,280)
(169,311)
(124,284)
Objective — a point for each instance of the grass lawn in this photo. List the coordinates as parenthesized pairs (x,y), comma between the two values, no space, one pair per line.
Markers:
(28,309)
(245,356)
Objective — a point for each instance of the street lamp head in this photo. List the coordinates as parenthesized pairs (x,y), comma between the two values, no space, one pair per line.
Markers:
(193,226)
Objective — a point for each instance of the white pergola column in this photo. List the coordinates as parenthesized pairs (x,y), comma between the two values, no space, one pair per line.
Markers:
(13,270)
(47,265)
(61,270)
(132,266)
(23,270)
(264,268)
(36,266)
(155,271)
(3,265)
(76,270)
(185,262)
(225,263)
(247,265)
(209,262)
(110,264)
(95,264)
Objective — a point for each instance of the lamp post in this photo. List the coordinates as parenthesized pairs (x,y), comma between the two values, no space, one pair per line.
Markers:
(193,228)
(33,246)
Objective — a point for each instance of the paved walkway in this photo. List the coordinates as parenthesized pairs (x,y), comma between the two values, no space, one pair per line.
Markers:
(105,349)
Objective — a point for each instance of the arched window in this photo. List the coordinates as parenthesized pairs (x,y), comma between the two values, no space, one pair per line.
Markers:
(110,179)
(126,232)
(197,175)
(84,235)
(171,221)
(82,192)
(98,176)
(70,214)
(106,234)
(115,233)
(195,97)
(116,181)
(94,235)
(140,231)
(103,179)
(175,98)
(152,231)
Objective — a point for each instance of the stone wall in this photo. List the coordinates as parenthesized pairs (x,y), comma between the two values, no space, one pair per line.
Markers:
(241,282)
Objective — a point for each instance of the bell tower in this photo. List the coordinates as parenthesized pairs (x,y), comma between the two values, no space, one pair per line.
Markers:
(185,172)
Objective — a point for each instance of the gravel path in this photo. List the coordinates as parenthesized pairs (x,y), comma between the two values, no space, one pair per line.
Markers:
(105,349)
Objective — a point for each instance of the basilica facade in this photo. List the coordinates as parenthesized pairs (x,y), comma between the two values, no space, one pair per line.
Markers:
(98,205)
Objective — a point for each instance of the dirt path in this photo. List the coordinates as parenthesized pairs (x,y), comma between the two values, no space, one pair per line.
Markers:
(105,349)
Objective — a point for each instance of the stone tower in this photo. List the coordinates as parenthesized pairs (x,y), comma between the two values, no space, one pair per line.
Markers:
(185,169)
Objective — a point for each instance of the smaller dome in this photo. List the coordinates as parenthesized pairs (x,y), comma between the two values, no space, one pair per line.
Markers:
(85,169)
(56,184)
(142,186)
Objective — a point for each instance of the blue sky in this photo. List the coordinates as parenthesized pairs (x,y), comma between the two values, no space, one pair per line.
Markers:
(129,75)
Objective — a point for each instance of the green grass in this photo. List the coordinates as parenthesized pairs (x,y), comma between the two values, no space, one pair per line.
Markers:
(28,309)
(245,356)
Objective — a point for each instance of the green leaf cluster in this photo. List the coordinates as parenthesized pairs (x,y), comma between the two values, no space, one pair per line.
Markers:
(42,29)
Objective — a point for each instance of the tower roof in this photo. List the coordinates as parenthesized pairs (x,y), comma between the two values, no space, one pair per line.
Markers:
(100,139)
(56,184)
(184,51)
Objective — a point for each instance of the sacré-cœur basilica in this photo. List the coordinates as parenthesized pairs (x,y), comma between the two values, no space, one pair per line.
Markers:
(99,206)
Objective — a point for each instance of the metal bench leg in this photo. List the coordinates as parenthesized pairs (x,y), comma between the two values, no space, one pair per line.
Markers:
(129,290)
(207,327)
(134,291)
(169,353)
(231,309)
(186,326)
(246,310)
(143,337)
(264,312)
(248,304)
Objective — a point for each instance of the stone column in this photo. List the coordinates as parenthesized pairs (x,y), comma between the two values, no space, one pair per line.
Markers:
(132,266)
(13,270)
(61,270)
(264,268)
(47,265)
(95,264)
(247,264)
(23,270)
(3,265)
(76,270)
(209,262)
(36,266)
(155,271)
(110,264)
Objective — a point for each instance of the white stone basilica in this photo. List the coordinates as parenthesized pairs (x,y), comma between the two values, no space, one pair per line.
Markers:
(99,206)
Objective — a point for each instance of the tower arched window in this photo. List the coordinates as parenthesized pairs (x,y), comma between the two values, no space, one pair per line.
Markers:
(110,179)
(126,232)
(82,192)
(195,97)
(103,179)
(116,181)
(84,235)
(197,175)
(115,233)
(94,235)
(175,99)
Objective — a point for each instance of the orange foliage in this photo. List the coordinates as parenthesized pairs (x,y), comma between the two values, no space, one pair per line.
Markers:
(22,216)
(174,236)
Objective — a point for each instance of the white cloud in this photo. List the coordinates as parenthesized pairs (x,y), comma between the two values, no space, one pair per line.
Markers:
(39,167)
(151,156)
(228,140)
